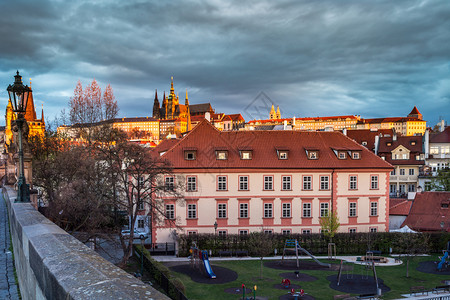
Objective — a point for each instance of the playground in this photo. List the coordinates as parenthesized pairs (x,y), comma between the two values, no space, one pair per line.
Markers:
(307,277)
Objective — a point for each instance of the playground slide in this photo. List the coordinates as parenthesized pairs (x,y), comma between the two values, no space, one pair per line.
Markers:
(208,268)
(313,257)
(442,262)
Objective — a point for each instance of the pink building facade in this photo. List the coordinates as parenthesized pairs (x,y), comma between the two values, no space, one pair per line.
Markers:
(272,181)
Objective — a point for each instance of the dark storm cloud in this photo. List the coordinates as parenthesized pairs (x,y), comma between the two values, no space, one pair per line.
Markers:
(374,58)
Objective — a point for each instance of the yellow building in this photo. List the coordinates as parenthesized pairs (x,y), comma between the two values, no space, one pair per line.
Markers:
(411,125)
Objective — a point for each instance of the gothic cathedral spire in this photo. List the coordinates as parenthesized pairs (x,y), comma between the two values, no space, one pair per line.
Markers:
(156,108)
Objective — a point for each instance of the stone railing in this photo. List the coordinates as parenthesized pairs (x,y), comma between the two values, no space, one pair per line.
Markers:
(51,264)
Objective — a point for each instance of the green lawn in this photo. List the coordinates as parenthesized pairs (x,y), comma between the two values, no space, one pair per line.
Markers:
(248,273)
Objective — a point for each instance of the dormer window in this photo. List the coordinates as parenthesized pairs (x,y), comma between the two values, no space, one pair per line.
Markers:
(413,143)
(356,155)
(313,155)
(364,143)
(246,154)
(342,155)
(388,144)
(221,154)
(190,154)
(282,154)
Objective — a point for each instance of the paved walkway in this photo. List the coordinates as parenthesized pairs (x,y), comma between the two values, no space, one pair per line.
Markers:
(8,287)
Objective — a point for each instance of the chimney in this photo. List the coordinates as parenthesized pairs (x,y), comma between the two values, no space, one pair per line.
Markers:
(442,126)
(376,144)
(208,116)
(426,144)
(394,137)
(293,121)
(284,125)
(344,131)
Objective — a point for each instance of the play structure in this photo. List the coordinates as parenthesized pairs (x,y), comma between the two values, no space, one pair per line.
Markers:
(366,268)
(294,246)
(444,260)
(199,260)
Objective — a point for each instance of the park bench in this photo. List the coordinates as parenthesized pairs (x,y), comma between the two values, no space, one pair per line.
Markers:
(414,290)
(225,253)
(368,296)
(375,252)
(441,288)
(241,253)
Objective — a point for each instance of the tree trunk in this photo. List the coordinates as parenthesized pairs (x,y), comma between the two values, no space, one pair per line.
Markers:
(261,270)
(407,267)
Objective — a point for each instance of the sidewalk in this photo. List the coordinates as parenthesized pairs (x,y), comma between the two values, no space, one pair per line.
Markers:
(8,287)
(349,259)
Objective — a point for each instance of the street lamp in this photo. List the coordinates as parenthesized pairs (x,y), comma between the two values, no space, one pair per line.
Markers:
(215,227)
(18,94)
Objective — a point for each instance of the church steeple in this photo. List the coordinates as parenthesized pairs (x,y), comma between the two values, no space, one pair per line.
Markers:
(42,113)
(165,105)
(186,102)
(278,113)
(156,108)
(272,115)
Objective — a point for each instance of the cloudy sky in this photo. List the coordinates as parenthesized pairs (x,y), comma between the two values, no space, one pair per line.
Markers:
(312,58)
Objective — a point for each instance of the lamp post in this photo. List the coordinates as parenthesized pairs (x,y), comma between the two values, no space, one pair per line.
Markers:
(215,227)
(18,94)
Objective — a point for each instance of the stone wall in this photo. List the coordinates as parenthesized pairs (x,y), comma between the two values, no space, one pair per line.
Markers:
(51,264)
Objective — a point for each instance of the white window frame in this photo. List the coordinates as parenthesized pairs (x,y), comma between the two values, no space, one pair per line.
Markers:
(374,182)
(286,183)
(169,183)
(192,211)
(373,209)
(221,210)
(324,183)
(352,209)
(191,183)
(243,183)
(268,210)
(307,182)
(324,208)
(306,213)
(170,211)
(221,183)
(243,210)
(353,182)
(286,210)
(268,183)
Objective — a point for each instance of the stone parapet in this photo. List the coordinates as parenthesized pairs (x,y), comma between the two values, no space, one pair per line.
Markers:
(51,264)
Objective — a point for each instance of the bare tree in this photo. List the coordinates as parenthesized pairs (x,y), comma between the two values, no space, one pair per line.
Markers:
(88,107)
(138,171)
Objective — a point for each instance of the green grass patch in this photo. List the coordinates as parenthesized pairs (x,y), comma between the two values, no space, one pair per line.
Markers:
(249,274)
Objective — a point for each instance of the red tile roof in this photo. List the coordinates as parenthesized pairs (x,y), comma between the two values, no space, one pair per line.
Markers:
(399,207)
(205,138)
(236,117)
(429,211)
(441,137)
(166,145)
(415,111)
(368,136)
(387,144)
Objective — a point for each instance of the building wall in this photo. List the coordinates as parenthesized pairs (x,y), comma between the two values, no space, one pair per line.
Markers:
(208,197)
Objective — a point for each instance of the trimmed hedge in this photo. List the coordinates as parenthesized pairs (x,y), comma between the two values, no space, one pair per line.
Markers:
(346,243)
(172,286)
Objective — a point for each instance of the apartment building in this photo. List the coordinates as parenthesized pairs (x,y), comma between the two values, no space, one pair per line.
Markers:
(272,181)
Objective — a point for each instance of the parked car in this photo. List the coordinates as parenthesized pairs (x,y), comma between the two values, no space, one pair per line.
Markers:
(137,234)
